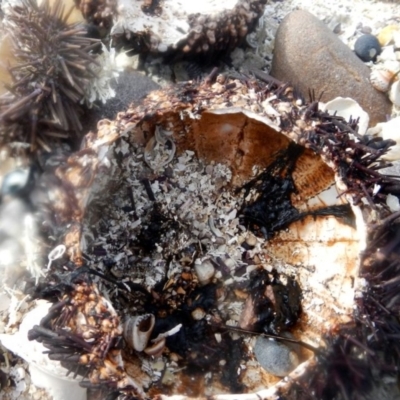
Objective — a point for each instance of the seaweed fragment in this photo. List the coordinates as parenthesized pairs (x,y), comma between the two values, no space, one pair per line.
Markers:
(276,305)
(272,209)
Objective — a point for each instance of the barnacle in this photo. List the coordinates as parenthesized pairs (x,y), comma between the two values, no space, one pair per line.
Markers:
(50,71)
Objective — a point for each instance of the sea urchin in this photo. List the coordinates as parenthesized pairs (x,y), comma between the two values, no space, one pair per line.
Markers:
(51,70)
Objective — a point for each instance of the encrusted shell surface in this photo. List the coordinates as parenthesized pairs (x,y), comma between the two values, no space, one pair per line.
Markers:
(184,27)
(236,125)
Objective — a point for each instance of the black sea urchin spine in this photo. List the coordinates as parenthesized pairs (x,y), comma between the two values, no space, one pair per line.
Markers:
(51,72)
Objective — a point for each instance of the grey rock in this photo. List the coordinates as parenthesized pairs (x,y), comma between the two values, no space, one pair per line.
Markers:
(276,358)
(308,55)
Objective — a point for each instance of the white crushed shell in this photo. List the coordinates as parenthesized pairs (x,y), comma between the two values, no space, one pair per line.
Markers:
(393,203)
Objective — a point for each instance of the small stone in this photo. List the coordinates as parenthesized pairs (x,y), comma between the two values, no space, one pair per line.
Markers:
(276,358)
(367,47)
(251,240)
(337,28)
(198,314)
(310,56)
(204,271)
(366,29)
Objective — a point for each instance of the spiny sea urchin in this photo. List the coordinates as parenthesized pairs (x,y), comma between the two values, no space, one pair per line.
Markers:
(51,69)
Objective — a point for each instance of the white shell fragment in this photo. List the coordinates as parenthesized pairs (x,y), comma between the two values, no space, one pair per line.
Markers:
(393,203)
(348,108)
(389,130)
(394,93)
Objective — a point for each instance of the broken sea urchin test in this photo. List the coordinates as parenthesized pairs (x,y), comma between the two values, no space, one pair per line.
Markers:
(184,28)
(213,239)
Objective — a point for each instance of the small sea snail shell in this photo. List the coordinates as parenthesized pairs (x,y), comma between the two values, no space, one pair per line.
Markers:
(381,79)
(155,349)
(137,331)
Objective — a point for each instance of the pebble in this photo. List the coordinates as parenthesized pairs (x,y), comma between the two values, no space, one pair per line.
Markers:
(251,240)
(198,314)
(204,271)
(276,358)
(367,47)
(310,56)
(366,29)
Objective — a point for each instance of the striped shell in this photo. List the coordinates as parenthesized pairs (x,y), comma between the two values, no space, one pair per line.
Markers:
(381,79)
(137,331)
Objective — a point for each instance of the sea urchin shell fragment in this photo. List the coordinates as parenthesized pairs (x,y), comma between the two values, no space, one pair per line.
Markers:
(292,180)
(184,27)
